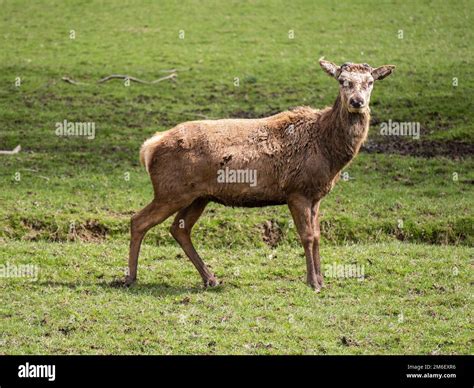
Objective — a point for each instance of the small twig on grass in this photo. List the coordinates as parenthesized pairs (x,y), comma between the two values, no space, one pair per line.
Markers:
(70,80)
(12,152)
(73,82)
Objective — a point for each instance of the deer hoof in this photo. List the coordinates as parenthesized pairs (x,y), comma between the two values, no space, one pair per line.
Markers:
(128,281)
(320,280)
(211,282)
(316,285)
(316,288)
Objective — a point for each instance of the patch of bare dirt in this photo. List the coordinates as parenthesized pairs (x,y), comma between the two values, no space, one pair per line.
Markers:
(422,148)
(346,341)
(271,233)
(91,230)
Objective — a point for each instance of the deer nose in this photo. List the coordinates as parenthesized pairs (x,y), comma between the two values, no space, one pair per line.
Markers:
(356,102)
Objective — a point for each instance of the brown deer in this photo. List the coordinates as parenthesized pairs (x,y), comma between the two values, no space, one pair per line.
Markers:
(294,158)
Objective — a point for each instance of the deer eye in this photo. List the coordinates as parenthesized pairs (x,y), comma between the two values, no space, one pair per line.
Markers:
(344,83)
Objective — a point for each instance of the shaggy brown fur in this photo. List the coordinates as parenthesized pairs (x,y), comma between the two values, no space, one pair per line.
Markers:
(297,156)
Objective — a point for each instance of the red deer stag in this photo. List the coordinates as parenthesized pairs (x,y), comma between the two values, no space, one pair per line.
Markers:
(294,157)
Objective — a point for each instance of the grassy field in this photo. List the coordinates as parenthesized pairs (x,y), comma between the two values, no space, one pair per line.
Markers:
(413,299)
(405,219)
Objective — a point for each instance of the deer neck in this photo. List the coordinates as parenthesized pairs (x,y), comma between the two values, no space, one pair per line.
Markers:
(343,133)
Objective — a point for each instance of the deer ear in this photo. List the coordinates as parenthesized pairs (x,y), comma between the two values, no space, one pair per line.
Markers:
(329,67)
(382,72)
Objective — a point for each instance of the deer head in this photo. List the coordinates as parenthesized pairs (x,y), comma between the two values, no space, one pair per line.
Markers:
(356,82)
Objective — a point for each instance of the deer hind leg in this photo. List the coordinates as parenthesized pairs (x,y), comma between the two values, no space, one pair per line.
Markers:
(151,215)
(181,231)
(302,212)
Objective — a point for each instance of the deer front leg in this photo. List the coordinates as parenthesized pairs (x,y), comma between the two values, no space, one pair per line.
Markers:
(317,236)
(302,212)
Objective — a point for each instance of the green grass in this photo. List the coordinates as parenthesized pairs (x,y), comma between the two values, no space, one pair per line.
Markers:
(248,40)
(66,202)
(413,299)
(417,201)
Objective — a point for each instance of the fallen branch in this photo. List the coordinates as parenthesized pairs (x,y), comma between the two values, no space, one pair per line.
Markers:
(171,77)
(12,152)
(134,79)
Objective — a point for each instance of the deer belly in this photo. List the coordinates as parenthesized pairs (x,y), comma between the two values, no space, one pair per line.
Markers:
(244,188)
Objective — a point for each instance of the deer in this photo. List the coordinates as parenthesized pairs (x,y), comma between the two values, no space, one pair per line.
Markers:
(297,155)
